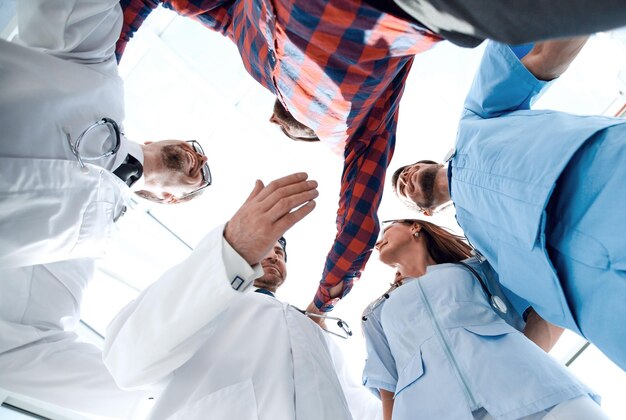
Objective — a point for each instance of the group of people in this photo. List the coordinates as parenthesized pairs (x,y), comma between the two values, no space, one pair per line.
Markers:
(537,194)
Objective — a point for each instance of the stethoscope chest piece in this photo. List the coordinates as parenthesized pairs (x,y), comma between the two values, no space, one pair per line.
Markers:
(498,304)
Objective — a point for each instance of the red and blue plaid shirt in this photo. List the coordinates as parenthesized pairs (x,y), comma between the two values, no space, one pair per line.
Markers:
(339,67)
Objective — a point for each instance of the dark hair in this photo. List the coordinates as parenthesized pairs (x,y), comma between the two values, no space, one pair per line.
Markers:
(396,174)
(282,114)
(442,245)
(150,196)
(283,243)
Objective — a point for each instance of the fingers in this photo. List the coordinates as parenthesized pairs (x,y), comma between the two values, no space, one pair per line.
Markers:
(268,212)
(258,187)
(290,219)
(286,181)
(282,205)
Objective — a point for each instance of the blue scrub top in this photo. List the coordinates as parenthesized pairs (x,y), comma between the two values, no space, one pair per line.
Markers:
(507,161)
(438,345)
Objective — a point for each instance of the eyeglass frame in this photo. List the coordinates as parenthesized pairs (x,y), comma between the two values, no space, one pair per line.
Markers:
(340,323)
(206,177)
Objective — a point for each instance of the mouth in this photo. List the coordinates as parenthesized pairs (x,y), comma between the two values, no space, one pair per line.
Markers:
(268,267)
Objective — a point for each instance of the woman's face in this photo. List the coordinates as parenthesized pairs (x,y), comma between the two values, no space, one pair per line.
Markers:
(395,238)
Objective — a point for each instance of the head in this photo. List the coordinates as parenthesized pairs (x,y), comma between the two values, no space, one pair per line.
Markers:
(422,185)
(290,126)
(405,241)
(174,171)
(274,267)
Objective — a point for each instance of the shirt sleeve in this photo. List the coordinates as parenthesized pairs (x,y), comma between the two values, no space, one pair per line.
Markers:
(164,327)
(135,13)
(380,367)
(82,31)
(366,158)
(502,84)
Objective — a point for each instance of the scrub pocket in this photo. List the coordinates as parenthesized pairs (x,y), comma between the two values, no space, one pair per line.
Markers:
(413,370)
(494,329)
(235,401)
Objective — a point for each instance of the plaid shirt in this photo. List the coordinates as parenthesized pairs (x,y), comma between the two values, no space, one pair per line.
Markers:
(339,67)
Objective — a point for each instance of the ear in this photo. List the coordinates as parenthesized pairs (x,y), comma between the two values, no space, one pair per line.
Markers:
(415,227)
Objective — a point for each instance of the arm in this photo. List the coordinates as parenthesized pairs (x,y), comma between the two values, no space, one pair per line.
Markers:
(502,84)
(362,184)
(135,13)
(209,13)
(169,321)
(549,59)
(541,332)
(82,31)
(162,329)
(387,399)
(506,83)
(379,373)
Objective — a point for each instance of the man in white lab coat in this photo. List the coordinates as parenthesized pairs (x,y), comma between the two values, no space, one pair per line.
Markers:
(224,351)
(58,80)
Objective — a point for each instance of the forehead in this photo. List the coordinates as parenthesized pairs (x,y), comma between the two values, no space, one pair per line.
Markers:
(387,225)
(279,248)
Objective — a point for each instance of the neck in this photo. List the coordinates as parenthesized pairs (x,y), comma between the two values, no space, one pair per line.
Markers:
(265,286)
(149,163)
(414,263)
(441,190)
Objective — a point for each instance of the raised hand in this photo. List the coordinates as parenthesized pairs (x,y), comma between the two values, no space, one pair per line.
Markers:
(268,213)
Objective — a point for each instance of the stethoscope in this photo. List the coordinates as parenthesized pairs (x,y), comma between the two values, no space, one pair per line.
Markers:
(75,146)
(495,301)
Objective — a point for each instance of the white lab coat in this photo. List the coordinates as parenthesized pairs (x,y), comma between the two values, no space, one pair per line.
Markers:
(55,219)
(59,81)
(224,354)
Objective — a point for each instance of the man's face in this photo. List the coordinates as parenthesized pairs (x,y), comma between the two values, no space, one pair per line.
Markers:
(291,127)
(416,183)
(178,169)
(274,269)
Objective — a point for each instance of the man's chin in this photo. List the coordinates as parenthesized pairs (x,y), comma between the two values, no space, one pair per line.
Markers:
(268,282)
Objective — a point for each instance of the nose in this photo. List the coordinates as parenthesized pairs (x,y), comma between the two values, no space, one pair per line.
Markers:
(274,120)
(378,244)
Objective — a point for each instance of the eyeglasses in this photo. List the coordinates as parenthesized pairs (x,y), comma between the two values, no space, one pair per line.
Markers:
(343,325)
(205,171)
(386,223)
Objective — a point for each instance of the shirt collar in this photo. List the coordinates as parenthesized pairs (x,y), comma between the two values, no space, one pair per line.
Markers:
(265,292)
(127,147)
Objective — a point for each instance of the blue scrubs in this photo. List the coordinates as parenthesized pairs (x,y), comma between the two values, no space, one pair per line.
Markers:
(511,164)
(437,344)
(586,235)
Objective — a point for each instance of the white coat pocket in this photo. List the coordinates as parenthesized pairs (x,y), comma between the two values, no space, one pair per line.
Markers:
(236,401)
(95,230)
